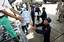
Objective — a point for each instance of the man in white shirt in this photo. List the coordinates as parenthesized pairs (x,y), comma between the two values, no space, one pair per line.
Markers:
(26,19)
(4,13)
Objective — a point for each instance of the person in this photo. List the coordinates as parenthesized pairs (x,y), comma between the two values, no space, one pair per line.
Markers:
(26,20)
(44,14)
(37,9)
(59,9)
(4,13)
(33,14)
(28,17)
(46,30)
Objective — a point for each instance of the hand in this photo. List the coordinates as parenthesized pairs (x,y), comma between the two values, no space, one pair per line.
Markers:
(33,28)
(19,18)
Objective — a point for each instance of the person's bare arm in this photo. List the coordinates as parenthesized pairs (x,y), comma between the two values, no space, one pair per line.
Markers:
(11,15)
(15,12)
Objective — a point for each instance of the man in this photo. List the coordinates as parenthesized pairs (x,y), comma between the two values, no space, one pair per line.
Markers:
(37,9)
(44,14)
(33,14)
(4,13)
(26,20)
(59,9)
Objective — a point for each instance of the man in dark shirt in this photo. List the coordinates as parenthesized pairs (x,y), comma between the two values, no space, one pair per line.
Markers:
(44,14)
(37,9)
(33,15)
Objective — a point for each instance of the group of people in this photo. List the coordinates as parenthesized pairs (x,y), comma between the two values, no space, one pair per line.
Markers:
(25,17)
(46,28)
